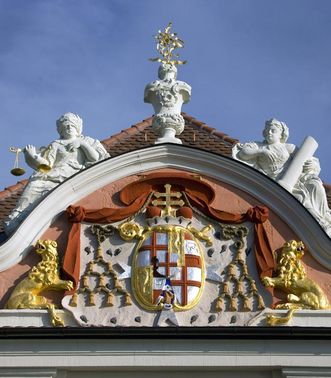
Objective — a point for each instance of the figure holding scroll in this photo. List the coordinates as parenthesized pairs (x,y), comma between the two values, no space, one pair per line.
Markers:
(270,156)
(294,168)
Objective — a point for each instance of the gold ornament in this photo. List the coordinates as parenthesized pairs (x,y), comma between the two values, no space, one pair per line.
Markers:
(166,44)
(238,290)
(45,168)
(174,245)
(129,231)
(168,201)
(43,276)
(303,293)
(99,279)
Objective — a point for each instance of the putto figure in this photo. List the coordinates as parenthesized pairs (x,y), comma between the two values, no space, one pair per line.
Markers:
(294,168)
(64,157)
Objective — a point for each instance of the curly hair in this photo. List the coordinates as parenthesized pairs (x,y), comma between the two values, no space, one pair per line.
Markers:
(280,125)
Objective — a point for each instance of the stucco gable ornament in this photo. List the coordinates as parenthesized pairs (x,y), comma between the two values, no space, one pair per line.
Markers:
(53,164)
(167,95)
(296,169)
(166,258)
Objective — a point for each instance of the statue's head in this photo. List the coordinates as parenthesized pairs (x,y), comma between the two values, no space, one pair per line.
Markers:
(275,131)
(167,71)
(69,124)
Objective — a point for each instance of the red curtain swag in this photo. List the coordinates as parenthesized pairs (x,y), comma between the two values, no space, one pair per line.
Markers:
(135,196)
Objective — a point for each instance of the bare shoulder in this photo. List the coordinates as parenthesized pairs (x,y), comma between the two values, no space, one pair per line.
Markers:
(290,147)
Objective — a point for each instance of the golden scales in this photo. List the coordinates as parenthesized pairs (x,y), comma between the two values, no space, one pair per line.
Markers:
(18,171)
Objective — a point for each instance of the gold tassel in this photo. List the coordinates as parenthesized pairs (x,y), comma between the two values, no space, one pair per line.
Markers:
(90,267)
(233,304)
(110,298)
(231,270)
(226,288)
(85,281)
(219,304)
(260,302)
(245,271)
(91,299)
(99,252)
(247,306)
(128,301)
(101,281)
(117,285)
(73,301)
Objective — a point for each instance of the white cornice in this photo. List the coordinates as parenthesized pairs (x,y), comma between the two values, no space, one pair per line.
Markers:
(180,157)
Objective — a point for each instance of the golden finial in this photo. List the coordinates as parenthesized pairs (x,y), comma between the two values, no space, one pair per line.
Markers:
(166,44)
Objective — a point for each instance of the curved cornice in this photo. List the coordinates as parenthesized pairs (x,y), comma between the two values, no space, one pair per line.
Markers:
(180,157)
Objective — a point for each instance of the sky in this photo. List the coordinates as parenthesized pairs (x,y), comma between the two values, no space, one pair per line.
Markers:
(248,61)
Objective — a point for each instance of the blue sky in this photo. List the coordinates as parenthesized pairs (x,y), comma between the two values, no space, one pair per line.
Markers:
(248,61)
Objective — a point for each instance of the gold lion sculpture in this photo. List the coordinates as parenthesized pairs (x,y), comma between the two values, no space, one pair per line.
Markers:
(43,276)
(303,293)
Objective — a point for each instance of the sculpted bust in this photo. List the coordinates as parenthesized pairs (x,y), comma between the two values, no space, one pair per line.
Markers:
(167,96)
(275,158)
(64,157)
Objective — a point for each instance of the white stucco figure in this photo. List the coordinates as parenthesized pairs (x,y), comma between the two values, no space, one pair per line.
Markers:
(309,190)
(167,96)
(64,157)
(270,156)
(278,159)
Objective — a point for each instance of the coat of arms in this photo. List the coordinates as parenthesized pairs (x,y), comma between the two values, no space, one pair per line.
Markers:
(158,265)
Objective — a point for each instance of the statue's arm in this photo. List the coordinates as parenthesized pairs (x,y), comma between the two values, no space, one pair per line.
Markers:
(90,152)
(34,158)
(247,151)
(93,150)
(291,148)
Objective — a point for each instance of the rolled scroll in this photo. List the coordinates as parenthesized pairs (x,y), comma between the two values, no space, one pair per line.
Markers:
(294,170)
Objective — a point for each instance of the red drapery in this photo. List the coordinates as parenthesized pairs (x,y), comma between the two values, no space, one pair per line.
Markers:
(136,194)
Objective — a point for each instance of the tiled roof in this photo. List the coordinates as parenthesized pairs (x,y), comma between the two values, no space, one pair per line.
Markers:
(9,198)
(196,134)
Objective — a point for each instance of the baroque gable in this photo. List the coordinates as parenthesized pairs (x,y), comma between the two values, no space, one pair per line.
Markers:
(201,257)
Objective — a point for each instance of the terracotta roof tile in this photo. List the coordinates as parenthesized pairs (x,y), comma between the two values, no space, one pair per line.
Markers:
(9,198)
(196,134)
